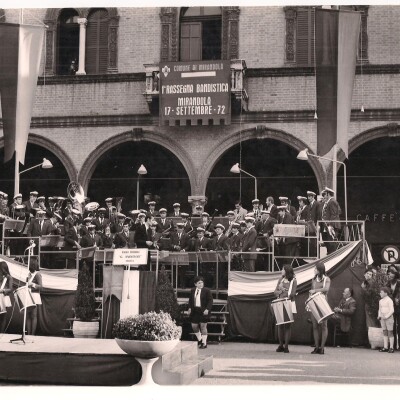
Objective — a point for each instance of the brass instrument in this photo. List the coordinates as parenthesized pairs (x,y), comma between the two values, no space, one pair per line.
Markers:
(76,194)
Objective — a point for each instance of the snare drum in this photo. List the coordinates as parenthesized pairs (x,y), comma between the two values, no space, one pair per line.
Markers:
(23,297)
(283,311)
(3,308)
(319,307)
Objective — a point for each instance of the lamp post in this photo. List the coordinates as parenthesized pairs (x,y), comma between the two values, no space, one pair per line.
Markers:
(236,170)
(304,155)
(45,164)
(141,171)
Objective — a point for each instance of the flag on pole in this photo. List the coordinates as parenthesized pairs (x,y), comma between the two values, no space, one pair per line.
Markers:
(20,55)
(336,39)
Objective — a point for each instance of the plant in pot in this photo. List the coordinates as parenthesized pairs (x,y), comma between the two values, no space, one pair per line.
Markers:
(371,298)
(85,325)
(147,337)
(166,298)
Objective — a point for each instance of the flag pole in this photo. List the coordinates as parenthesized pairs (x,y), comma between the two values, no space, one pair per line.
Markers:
(334,169)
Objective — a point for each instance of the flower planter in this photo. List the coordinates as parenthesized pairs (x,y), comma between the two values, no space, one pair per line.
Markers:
(85,329)
(146,353)
(375,337)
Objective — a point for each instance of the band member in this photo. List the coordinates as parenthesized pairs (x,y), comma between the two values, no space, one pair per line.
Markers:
(201,243)
(108,238)
(39,227)
(152,209)
(315,207)
(187,225)
(271,207)
(331,214)
(52,205)
(92,238)
(72,239)
(231,221)
(180,241)
(6,288)
(235,245)
(140,228)
(153,237)
(117,227)
(249,244)
(85,228)
(200,305)
(18,211)
(206,224)
(165,225)
(220,242)
(35,285)
(177,210)
(41,202)
(320,283)
(240,212)
(303,213)
(265,230)
(287,246)
(100,221)
(17,208)
(111,211)
(68,222)
(289,208)
(32,202)
(285,288)
(68,209)
(125,238)
(256,211)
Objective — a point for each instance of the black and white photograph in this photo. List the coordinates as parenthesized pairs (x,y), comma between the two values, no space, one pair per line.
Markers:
(199,198)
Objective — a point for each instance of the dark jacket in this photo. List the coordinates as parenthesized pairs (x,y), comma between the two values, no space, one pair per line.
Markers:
(206,299)
(348,309)
(182,243)
(121,240)
(220,244)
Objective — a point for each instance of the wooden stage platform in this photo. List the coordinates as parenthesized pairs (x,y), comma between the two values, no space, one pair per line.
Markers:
(52,360)
(66,361)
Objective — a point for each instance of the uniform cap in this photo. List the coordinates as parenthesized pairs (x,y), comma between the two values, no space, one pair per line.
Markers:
(255,201)
(108,200)
(101,210)
(328,190)
(281,208)
(5,195)
(301,198)
(88,219)
(250,214)
(283,198)
(200,229)
(180,225)
(184,215)
(310,193)
(34,193)
(141,215)
(249,219)
(41,198)
(235,225)
(51,198)
(40,212)
(205,214)
(91,226)
(176,205)
(151,203)
(219,226)
(120,215)
(17,196)
(162,210)
(230,213)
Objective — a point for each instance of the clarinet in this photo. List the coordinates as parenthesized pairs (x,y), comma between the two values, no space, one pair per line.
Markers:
(211,220)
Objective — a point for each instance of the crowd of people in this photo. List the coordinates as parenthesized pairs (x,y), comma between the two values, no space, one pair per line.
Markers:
(241,231)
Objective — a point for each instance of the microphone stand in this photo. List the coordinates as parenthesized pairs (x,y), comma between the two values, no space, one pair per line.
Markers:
(22,338)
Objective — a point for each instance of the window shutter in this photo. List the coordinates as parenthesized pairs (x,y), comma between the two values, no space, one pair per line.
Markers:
(97,42)
(190,41)
(305,37)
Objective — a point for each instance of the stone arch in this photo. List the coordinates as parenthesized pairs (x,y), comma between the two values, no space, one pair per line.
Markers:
(50,20)
(55,149)
(136,135)
(259,132)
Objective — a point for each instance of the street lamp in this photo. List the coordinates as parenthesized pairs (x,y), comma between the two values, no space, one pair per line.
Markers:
(141,171)
(304,154)
(45,164)
(236,170)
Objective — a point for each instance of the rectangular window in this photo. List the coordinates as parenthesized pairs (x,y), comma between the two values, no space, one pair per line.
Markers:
(191,41)
(305,39)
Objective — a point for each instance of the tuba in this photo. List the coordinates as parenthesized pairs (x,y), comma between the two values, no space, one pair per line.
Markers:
(76,195)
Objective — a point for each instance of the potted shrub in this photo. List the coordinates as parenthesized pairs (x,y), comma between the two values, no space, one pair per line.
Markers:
(166,298)
(85,325)
(371,298)
(147,337)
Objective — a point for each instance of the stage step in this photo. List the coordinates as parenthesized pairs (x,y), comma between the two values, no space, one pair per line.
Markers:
(182,365)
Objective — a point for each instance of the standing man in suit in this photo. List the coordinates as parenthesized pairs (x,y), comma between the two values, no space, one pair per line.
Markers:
(100,221)
(256,209)
(331,214)
(345,311)
(249,245)
(271,207)
(289,208)
(200,305)
(265,230)
(72,239)
(240,212)
(231,221)
(177,210)
(152,213)
(126,238)
(235,245)
(180,241)
(315,206)
(31,203)
(165,225)
(287,246)
(220,242)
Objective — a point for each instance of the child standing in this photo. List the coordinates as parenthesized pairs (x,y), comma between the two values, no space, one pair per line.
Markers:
(385,315)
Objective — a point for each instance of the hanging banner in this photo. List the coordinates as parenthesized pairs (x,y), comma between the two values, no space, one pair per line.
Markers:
(195,93)
(20,55)
(336,38)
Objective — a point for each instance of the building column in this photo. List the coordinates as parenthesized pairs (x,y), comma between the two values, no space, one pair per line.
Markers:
(197,201)
(82,45)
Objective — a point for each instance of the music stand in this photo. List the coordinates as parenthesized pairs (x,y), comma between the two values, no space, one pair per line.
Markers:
(22,338)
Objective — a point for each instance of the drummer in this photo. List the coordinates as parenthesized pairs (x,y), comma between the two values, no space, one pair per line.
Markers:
(6,287)
(286,288)
(319,284)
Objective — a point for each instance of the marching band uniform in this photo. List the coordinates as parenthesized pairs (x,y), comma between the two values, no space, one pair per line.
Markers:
(100,222)
(249,245)
(165,225)
(31,203)
(330,212)
(240,213)
(125,240)
(287,246)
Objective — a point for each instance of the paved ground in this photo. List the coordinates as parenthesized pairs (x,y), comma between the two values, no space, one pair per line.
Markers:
(259,364)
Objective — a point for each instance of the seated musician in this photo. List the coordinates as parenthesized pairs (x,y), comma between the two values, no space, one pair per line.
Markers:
(100,221)
(153,237)
(126,238)
(201,243)
(108,238)
(165,225)
(345,311)
(206,224)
